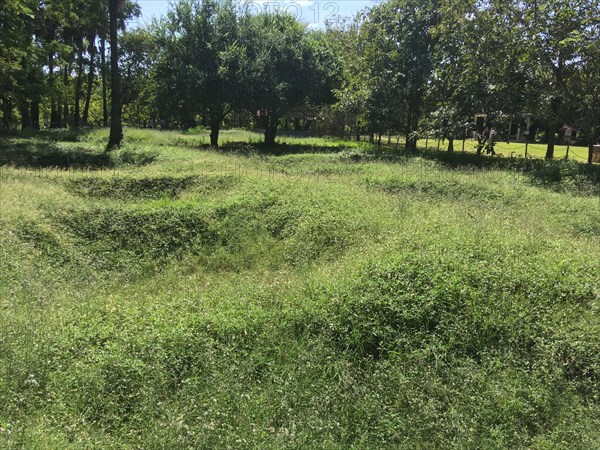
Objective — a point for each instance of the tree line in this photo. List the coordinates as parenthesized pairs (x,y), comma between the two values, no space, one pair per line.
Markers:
(411,67)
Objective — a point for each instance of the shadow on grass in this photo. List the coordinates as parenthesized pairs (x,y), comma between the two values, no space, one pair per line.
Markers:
(47,155)
(259,148)
(54,135)
(579,178)
(557,173)
(41,149)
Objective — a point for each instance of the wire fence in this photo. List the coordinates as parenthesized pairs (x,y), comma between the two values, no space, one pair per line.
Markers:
(510,149)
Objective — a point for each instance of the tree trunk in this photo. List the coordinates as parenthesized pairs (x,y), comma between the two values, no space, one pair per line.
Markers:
(6,114)
(450,145)
(103,74)
(35,114)
(65,100)
(25,116)
(411,143)
(65,115)
(116,129)
(408,134)
(54,114)
(412,124)
(78,86)
(551,141)
(215,126)
(90,80)
(271,132)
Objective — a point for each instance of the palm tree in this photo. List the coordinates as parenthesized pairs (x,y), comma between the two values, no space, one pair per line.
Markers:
(116,129)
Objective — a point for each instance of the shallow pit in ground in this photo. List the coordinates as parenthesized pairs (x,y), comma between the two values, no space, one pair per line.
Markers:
(146,188)
(122,188)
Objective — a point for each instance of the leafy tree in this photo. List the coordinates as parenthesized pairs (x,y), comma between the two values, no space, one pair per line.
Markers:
(398,62)
(281,68)
(351,94)
(478,67)
(137,59)
(15,47)
(585,86)
(559,34)
(327,64)
(198,69)
(45,50)
(128,9)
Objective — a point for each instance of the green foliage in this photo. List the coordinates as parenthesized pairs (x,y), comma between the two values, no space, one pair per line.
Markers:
(137,53)
(198,68)
(397,47)
(401,67)
(284,68)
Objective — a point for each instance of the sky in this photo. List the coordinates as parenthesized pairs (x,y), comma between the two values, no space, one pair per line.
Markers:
(315,13)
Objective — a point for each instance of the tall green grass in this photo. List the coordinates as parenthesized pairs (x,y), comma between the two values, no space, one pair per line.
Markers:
(340,297)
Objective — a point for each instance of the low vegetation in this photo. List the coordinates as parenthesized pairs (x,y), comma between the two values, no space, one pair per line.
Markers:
(317,294)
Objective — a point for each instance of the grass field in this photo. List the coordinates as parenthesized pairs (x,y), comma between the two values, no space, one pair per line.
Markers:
(516,149)
(323,294)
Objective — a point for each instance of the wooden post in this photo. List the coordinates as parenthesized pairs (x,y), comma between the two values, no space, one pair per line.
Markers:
(567,155)
(526,148)
(463,147)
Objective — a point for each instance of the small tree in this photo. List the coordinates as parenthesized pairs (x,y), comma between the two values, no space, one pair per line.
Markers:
(585,87)
(559,35)
(397,48)
(478,65)
(137,60)
(281,70)
(198,69)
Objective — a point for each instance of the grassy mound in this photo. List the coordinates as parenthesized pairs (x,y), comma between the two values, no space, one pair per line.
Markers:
(442,305)
(319,300)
